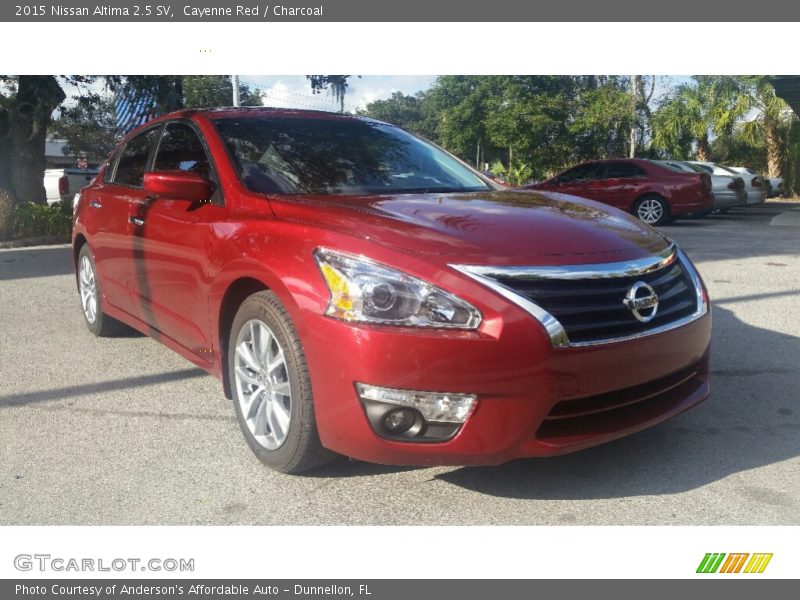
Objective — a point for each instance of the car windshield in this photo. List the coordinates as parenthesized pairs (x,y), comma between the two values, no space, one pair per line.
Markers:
(300,155)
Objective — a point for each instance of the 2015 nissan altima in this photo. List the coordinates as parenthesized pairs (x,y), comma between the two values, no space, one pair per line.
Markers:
(359,291)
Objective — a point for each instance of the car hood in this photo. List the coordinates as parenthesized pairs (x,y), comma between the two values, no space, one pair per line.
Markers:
(500,228)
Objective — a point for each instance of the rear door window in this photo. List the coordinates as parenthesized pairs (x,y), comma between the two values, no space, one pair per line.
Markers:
(620,170)
(582,173)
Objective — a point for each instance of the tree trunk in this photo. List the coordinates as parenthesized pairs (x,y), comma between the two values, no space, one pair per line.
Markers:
(773,150)
(6,199)
(703,149)
(28,117)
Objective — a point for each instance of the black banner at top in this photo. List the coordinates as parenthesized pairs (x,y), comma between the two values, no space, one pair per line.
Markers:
(397,11)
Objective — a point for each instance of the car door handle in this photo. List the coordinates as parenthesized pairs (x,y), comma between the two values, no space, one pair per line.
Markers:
(136,221)
(95,204)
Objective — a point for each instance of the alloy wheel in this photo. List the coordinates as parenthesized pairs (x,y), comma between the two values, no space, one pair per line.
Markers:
(650,211)
(88,289)
(263,389)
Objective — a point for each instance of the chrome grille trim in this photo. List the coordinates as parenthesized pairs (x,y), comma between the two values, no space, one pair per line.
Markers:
(555,330)
(630,268)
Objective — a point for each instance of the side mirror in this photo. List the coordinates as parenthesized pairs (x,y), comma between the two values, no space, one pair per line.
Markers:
(177,185)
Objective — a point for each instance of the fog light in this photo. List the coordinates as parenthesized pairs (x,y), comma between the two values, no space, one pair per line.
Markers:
(399,421)
(433,406)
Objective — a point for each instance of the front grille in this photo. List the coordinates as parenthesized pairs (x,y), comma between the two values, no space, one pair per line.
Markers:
(614,411)
(592,310)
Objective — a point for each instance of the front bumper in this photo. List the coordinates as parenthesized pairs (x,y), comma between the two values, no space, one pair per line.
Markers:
(533,399)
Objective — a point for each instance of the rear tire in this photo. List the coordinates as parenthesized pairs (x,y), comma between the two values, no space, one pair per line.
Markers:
(652,209)
(271,387)
(97,322)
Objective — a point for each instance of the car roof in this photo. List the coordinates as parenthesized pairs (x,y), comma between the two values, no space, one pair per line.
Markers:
(228,112)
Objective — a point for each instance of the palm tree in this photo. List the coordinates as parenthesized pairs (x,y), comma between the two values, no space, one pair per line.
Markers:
(708,106)
(335,84)
(771,120)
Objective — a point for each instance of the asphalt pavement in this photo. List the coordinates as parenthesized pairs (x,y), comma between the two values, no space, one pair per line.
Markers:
(123,431)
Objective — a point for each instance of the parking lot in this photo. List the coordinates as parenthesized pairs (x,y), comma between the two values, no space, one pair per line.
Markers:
(123,431)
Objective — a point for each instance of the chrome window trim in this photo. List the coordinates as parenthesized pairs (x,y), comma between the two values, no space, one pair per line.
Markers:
(555,330)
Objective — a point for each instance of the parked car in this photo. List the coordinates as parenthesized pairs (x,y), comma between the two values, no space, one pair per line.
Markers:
(651,191)
(359,291)
(775,187)
(727,187)
(62,184)
(754,184)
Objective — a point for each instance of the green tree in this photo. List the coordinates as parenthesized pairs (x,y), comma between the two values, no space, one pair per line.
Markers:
(336,84)
(771,122)
(736,150)
(408,112)
(208,91)
(601,117)
(26,107)
(527,117)
(709,106)
(89,126)
(460,105)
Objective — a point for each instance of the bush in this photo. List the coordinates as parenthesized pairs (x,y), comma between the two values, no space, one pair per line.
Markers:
(35,220)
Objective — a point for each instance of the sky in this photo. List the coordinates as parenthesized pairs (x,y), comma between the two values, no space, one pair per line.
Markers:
(294,91)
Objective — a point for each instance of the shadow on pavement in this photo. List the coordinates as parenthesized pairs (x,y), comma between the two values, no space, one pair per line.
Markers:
(345,468)
(96,388)
(24,263)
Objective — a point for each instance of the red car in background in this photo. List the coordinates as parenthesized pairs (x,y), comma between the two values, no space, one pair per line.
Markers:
(653,192)
(358,290)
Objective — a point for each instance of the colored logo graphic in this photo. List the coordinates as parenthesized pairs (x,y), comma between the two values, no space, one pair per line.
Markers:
(734,563)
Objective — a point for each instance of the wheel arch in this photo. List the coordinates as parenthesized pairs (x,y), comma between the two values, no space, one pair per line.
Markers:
(77,245)
(236,293)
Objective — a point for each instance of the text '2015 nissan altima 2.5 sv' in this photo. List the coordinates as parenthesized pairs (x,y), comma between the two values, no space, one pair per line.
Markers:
(360,291)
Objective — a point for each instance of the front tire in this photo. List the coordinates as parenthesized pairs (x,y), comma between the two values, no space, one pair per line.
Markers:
(652,209)
(97,322)
(271,387)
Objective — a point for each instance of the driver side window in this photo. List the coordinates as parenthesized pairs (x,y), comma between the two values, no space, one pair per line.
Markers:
(181,150)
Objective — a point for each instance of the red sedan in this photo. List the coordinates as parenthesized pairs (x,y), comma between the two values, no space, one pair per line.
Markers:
(652,191)
(359,291)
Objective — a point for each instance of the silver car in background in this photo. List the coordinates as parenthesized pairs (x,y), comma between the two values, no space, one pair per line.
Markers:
(728,188)
(754,184)
(775,187)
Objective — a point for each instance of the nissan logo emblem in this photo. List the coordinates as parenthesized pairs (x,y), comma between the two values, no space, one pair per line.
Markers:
(642,301)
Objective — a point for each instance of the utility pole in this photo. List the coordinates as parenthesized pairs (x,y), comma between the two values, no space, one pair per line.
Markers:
(235,82)
(634,97)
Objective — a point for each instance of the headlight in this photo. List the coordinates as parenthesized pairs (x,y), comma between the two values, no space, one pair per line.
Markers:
(362,290)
